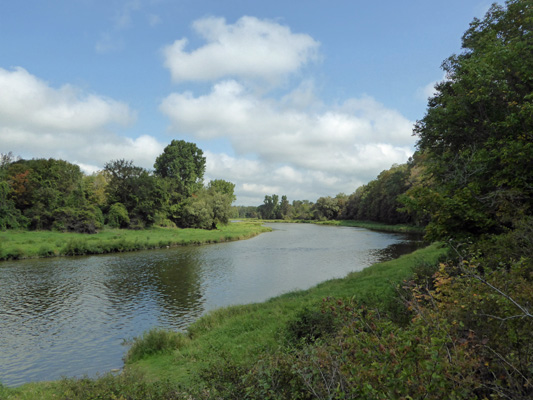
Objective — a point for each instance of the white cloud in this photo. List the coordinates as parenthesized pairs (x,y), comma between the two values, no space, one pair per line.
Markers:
(254,179)
(37,120)
(424,93)
(358,135)
(251,48)
(123,18)
(29,102)
(305,154)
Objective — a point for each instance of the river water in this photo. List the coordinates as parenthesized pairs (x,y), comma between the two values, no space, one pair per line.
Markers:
(70,316)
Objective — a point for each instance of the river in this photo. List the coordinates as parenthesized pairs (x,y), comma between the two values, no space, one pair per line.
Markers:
(70,316)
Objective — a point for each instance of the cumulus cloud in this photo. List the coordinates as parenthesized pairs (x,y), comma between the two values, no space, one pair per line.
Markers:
(254,179)
(312,151)
(38,120)
(425,92)
(251,48)
(338,139)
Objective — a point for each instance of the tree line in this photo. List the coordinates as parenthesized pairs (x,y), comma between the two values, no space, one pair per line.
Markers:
(43,194)
(380,200)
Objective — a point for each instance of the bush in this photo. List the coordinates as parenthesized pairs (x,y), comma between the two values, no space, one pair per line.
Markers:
(308,326)
(118,216)
(75,247)
(46,250)
(155,341)
(85,220)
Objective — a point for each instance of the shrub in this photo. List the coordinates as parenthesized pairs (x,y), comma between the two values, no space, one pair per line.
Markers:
(118,216)
(85,220)
(46,250)
(308,326)
(155,341)
(75,247)
(124,386)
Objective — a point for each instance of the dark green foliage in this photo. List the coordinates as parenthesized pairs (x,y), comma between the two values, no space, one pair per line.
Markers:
(142,194)
(378,201)
(207,207)
(270,207)
(183,164)
(476,137)
(118,217)
(327,208)
(309,325)
(124,386)
(46,194)
(10,216)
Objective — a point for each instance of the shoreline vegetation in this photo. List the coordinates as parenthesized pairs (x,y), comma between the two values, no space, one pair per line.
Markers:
(175,365)
(16,245)
(22,244)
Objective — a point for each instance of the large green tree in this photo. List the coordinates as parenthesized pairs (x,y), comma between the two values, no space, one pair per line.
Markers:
(183,164)
(477,135)
(141,193)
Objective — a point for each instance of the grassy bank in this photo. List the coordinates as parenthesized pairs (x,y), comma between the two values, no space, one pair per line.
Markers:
(229,336)
(16,245)
(375,226)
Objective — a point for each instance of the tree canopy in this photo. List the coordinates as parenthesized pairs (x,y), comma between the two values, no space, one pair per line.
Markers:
(477,134)
(183,164)
(55,194)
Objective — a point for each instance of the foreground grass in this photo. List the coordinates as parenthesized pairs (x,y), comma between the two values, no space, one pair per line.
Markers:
(16,245)
(238,334)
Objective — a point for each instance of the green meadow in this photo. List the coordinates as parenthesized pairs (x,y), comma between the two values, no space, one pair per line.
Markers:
(16,245)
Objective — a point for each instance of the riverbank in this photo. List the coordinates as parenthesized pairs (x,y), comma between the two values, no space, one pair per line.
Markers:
(16,245)
(375,226)
(168,365)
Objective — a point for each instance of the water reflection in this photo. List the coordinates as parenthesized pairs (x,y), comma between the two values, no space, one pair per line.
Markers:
(69,316)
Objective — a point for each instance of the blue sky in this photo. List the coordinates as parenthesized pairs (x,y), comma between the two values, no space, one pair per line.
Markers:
(300,98)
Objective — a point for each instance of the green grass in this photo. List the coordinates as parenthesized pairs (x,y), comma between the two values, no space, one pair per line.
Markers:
(375,226)
(16,245)
(241,333)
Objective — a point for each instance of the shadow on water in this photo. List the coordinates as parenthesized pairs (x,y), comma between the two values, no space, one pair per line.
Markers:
(411,243)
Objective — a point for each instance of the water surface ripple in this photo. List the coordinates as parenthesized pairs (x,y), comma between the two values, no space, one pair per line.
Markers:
(70,316)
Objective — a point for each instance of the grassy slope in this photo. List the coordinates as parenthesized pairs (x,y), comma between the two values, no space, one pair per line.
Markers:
(239,333)
(30,244)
